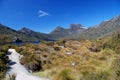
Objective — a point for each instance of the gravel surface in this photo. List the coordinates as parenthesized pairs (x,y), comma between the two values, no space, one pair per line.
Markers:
(17,69)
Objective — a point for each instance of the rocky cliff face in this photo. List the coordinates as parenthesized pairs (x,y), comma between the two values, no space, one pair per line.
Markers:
(60,32)
(103,29)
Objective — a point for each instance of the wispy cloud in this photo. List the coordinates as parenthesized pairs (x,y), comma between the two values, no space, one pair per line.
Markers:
(42,13)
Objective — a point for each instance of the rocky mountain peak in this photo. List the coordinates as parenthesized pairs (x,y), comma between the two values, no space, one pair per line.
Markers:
(76,26)
(59,28)
(115,18)
(24,29)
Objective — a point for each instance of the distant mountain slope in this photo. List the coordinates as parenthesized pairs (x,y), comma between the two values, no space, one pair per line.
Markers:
(6,30)
(61,32)
(9,35)
(103,29)
(76,31)
(35,35)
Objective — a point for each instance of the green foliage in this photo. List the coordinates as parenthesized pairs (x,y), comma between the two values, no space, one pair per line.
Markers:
(61,74)
(12,77)
(102,75)
(64,75)
(116,67)
(114,44)
(95,60)
(3,62)
(5,48)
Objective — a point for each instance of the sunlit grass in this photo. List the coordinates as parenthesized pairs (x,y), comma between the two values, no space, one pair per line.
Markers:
(40,74)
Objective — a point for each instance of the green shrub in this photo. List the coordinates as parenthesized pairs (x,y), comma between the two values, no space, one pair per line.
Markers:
(116,67)
(2,54)
(102,75)
(64,74)
(2,75)
(3,66)
(5,48)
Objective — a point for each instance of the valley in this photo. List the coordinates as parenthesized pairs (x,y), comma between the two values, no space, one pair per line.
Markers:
(59,39)
(75,53)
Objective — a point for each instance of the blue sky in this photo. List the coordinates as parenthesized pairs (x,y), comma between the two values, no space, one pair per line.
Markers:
(45,15)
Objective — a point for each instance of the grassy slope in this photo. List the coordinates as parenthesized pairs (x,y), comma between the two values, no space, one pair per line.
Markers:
(95,60)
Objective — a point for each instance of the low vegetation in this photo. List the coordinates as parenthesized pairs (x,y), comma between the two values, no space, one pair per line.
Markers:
(12,77)
(74,59)
(70,59)
(3,61)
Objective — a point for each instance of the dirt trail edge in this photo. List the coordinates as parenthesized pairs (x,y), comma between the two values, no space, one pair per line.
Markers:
(15,68)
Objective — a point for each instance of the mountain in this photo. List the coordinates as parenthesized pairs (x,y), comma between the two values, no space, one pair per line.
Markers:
(5,30)
(76,28)
(61,32)
(10,35)
(75,31)
(35,35)
(105,28)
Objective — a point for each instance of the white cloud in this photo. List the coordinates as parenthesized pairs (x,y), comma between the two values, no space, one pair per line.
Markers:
(42,13)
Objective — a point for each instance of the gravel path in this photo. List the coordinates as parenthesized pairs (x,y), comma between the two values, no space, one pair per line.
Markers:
(19,70)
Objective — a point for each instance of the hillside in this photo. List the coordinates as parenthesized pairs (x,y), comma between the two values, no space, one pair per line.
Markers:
(75,31)
(103,29)
(74,59)
(9,35)
(96,59)
(35,35)
(61,32)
